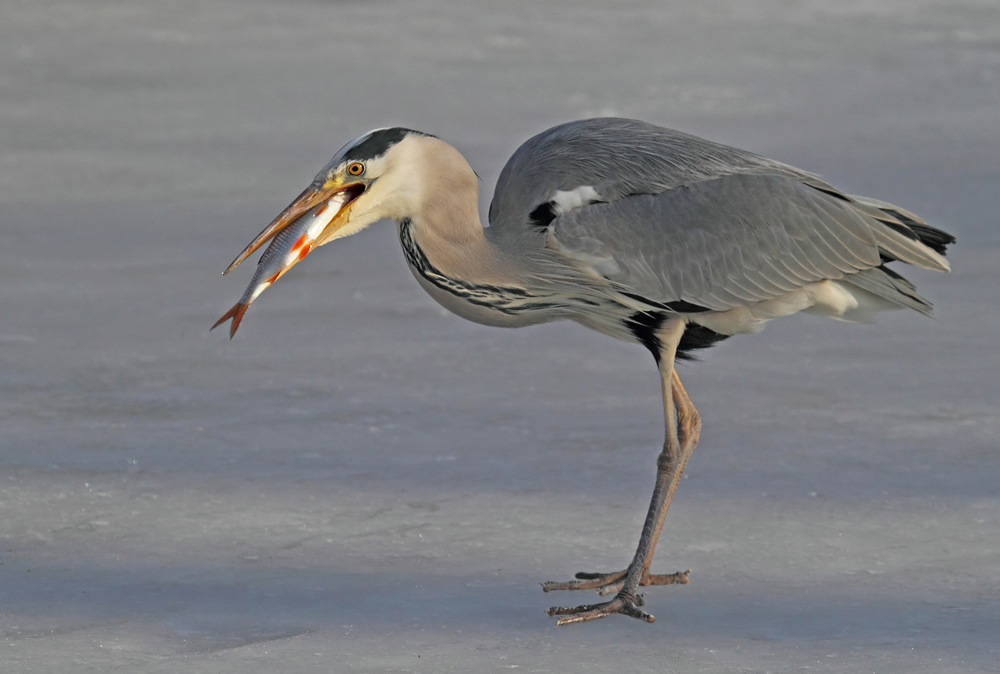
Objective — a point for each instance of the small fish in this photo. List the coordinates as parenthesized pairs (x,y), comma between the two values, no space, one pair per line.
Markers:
(288,247)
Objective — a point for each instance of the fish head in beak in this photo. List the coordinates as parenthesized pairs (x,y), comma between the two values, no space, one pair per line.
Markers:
(347,195)
(322,195)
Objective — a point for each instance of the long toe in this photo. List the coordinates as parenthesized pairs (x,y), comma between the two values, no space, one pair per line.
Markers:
(620,604)
(607,583)
(679,578)
(587,581)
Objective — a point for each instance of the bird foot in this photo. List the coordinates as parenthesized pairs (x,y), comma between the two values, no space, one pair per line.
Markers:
(606,583)
(626,605)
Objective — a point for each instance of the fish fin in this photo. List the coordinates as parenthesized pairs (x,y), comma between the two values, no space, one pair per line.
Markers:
(236,313)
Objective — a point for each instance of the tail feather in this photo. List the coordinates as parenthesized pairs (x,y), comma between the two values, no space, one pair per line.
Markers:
(897,246)
(936,239)
(890,286)
(910,226)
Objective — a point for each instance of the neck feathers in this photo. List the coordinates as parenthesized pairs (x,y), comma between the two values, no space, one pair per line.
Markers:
(448,196)
(444,220)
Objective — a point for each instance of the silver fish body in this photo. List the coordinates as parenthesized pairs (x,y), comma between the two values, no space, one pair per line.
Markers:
(286,249)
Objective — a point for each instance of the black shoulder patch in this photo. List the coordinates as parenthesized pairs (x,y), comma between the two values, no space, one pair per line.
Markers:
(543,215)
(378,143)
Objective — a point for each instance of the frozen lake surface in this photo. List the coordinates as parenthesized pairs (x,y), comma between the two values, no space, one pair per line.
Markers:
(359,482)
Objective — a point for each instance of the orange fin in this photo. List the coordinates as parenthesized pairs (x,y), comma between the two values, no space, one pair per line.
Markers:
(301,242)
(236,313)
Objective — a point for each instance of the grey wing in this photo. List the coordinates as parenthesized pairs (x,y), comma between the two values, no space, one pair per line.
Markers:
(739,239)
(612,158)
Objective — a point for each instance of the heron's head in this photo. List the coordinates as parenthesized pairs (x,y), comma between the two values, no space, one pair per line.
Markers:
(385,174)
(380,174)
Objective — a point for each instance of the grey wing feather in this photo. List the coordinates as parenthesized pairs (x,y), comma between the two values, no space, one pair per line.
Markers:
(720,244)
(885,283)
(618,158)
(735,240)
(675,217)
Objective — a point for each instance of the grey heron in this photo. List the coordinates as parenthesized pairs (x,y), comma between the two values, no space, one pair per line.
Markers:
(643,233)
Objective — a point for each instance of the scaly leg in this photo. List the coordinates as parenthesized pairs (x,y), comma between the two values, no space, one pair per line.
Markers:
(683,426)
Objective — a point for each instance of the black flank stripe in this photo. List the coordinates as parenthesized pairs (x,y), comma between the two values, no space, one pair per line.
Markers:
(686,307)
(643,325)
(697,337)
(680,306)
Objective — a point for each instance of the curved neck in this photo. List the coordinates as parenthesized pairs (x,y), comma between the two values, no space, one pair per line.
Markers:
(445,221)
(462,254)
(469,278)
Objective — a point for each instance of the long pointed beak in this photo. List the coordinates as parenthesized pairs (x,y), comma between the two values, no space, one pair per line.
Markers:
(313,195)
(295,233)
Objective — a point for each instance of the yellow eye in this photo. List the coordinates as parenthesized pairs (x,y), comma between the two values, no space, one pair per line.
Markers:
(356,169)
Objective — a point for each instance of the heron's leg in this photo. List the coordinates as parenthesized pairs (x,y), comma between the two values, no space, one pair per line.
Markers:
(683,426)
(685,431)
(688,431)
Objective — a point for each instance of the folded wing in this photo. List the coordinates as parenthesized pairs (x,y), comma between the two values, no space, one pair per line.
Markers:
(739,239)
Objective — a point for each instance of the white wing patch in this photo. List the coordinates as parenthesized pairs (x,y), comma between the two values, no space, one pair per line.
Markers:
(563,202)
(588,250)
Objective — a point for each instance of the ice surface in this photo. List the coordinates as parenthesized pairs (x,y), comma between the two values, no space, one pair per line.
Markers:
(360,483)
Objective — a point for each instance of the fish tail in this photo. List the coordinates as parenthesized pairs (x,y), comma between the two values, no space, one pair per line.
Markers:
(236,313)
